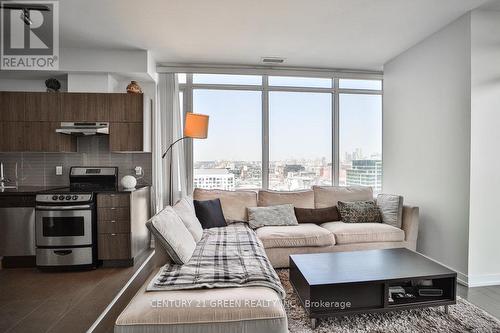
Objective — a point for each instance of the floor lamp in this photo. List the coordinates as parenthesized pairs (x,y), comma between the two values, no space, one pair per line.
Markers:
(195,127)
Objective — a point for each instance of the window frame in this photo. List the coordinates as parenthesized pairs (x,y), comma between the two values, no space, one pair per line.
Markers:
(335,91)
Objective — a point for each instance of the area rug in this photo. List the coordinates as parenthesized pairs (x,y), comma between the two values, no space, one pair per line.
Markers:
(462,317)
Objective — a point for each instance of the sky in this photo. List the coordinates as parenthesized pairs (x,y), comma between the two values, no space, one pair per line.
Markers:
(300,124)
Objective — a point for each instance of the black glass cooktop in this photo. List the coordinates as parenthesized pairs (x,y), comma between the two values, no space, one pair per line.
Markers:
(83,189)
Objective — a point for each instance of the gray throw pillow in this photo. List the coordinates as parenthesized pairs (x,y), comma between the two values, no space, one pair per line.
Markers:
(271,216)
(359,212)
(391,208)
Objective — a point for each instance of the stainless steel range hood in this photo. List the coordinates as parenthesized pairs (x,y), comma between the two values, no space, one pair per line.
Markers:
(83,128)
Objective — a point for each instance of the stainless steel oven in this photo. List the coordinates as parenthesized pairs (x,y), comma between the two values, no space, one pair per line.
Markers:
(63,225)
(65,230)
(65,219)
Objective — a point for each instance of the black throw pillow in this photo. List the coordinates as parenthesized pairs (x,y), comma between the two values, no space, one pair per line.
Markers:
(209,212)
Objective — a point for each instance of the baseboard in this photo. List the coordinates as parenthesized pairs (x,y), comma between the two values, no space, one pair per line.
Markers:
(462,278)
(484,280)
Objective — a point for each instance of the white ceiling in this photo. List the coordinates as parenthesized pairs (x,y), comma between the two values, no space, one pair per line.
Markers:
(349,34)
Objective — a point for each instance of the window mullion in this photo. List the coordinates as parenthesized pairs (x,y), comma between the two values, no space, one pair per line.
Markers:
(265,132)
(336,134)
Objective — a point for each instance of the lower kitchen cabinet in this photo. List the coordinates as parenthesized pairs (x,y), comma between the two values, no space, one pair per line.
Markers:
(121,226)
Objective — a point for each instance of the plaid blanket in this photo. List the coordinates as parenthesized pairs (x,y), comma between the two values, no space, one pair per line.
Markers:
(225,257)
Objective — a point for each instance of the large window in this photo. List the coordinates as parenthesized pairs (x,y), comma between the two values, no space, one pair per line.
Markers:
(300,140)
(361,140)
(231,157)
(285,132)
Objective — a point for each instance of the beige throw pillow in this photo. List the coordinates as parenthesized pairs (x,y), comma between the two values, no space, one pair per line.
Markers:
(185,210)
(391,208)
(172,235)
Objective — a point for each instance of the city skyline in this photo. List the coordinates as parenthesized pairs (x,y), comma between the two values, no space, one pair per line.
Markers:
(288,175)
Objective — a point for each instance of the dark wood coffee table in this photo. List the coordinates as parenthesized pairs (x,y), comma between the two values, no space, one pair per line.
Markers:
(342,283)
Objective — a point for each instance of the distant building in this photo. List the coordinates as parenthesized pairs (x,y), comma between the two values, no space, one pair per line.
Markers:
(220,179)
(293,168)
(365,173)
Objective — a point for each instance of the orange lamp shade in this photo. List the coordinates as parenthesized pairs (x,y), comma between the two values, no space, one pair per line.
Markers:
(196,126)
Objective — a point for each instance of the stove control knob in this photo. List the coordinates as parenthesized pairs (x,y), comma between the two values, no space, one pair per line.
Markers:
(75,197)
(68,197)
(54,197)
(61,197)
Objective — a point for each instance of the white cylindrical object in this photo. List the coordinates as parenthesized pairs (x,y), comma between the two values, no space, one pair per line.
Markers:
(129,182)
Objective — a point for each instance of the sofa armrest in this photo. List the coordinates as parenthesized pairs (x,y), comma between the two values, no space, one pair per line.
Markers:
(410,226)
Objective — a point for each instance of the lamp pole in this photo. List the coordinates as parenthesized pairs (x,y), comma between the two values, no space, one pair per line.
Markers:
(170,188)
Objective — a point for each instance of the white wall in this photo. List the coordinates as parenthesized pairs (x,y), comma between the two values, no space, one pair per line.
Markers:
(38,85)
(95,82)
(484,242)
(426,126)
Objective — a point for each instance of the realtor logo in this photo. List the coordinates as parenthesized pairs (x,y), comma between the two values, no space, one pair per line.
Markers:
(29,35)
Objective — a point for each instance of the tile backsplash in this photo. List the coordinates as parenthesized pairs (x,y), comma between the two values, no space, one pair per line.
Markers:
(39,169)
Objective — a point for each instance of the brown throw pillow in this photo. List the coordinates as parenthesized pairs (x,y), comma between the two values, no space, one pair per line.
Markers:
(317,215)
(359,212)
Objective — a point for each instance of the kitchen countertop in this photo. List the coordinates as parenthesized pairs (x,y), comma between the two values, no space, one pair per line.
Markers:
(32,190)
(120,189)
(27,190)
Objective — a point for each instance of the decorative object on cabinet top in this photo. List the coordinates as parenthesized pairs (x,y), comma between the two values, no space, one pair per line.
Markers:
(53,85)
(134,88)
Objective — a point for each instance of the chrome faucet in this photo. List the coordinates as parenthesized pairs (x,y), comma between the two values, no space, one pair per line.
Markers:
(2,176)
(4,180)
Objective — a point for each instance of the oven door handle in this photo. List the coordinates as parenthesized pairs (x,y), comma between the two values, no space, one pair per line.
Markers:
(62,207)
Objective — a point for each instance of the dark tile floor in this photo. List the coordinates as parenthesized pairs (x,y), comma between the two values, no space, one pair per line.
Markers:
(487,298)
(34,301)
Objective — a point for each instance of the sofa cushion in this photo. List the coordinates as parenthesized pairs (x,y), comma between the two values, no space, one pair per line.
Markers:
(279,215)
(185,210)
(209,212)
(317,215)
(327,196)
(172,234)
(234,203)
(348,233)
(248,309)
(301,199)
(304,234)
(391,208)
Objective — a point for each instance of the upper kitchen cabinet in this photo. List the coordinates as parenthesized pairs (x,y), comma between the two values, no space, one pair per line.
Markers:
(85,107)
(12,106)
(126,137)
(28,120)
(41,136)
(40,106)
(11,136)
(127,108)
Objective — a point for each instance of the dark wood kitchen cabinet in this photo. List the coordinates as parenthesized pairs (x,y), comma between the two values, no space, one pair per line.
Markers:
(126,137)
(126,108)
(42,137)
(28,120)
(85,106)
(11,136)
(121,226)
(12,106)
(42,106)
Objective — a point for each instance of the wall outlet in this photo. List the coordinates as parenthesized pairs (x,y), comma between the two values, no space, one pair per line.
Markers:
(59,170)
(138,171)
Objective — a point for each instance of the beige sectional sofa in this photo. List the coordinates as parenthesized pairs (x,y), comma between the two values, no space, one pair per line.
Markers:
(280,242)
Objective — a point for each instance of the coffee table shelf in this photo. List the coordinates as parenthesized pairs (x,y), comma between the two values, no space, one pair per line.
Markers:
(338,284)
